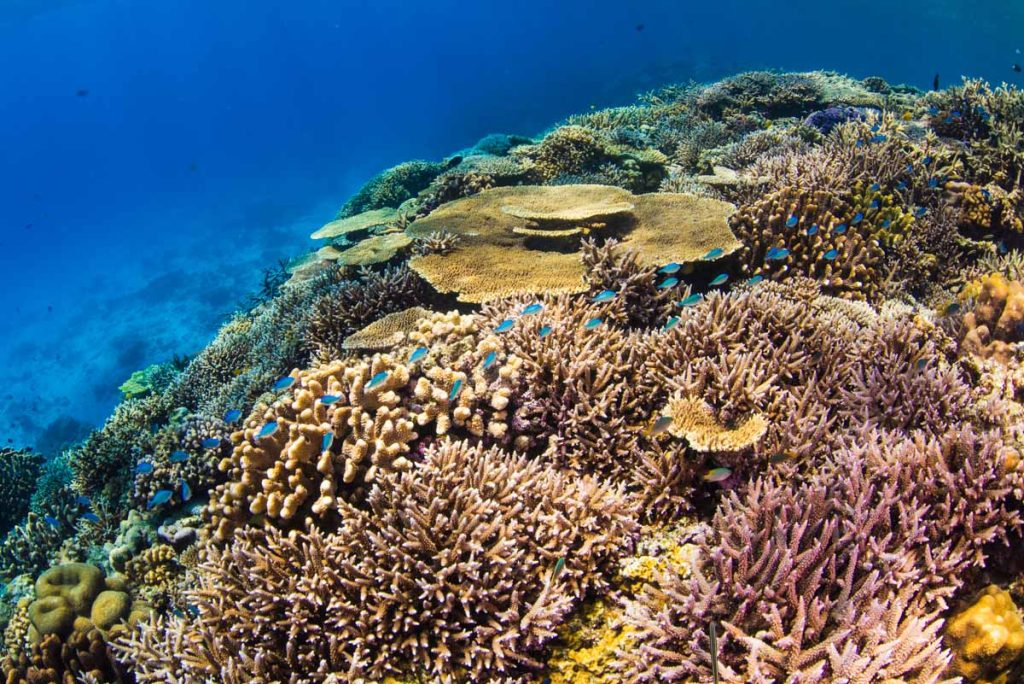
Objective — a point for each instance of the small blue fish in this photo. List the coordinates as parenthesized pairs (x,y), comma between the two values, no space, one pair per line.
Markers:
(186,491)
(211,443)
(284,383)
(179,457)
(792,221)
(875,204)
(603,296)
(876,128)
(669,269)
(670,324)
(902,185)
(720,279)
(490,359)
(417,354)
(886,223)
(144,468)
(777,254)
(267,430)
(713,254)
(377,379)
(545,330)
(592,323)
(840,229)
(327,441)
(910,168)
(986,194)
(880,138)
(812,230)
(860,143)
(456,388)
(91,517)
(857,218)
(232,415)
(691,300)
(83,500)
(161,497)
(921,363)
(1002,248)
(926,161)
(933,110)
(955,114)
(667,283)
(831,254)
(51,521)
(533,309)
(920,211)
(661,424)
(755,280)
(933,182)
(505,326)
(875,187)
(329,399)
(953,308)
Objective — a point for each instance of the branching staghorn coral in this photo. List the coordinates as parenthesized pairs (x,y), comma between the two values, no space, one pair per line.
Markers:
(19,470)
(460,568)
(842,575)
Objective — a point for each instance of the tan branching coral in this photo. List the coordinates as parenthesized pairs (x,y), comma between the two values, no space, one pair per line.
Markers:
(997,321)
(693,420)
(461,569)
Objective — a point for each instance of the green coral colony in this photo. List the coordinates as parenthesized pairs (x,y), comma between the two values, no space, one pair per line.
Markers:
(723,385)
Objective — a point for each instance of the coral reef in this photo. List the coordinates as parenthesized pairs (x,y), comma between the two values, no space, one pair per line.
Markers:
(524,418)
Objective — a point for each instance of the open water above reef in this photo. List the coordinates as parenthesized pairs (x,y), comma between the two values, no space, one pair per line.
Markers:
(156,157)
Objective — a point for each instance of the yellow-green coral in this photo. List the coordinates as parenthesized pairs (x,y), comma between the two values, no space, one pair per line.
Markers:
(987,638)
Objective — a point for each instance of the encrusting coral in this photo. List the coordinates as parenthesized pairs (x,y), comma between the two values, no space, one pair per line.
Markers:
(75,610)
(460,568)
(996,323)
(987,637)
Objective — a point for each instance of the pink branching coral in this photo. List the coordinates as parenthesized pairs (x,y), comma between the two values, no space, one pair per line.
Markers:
(460,568)
(842,575)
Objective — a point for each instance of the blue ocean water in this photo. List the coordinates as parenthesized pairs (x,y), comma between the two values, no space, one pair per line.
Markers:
(156,157)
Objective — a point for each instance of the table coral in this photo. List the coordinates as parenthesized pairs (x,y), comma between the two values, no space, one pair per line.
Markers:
(987,637)
(494,259)
(386,332)
(997,321)
(357,223)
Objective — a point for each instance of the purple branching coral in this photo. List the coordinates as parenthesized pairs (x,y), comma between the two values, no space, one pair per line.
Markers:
(839,578)
(463,567)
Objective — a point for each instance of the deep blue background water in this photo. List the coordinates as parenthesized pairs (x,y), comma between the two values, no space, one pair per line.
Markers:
(214,136)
